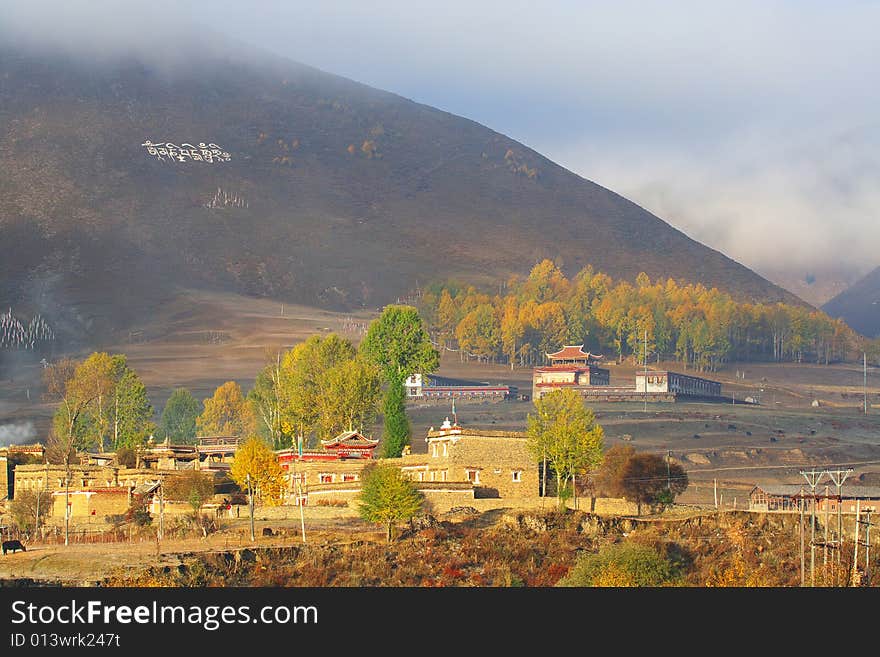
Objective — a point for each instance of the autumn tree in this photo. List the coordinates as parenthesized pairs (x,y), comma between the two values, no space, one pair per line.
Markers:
(348,398)
(266,401)
(512,331)
(447,316)
(303,380)
(256,467)
(609,477)
(179,417)
(29,508)
(191,486)
(121,414)
(650,479)
(387,496)
(75,387)
(226,413)
(398,344)
(564,433)
(479,333)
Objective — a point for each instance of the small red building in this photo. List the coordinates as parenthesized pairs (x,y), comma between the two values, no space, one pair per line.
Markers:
(347,445)
(570,367)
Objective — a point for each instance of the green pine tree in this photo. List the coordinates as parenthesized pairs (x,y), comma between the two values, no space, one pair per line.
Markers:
(396,428)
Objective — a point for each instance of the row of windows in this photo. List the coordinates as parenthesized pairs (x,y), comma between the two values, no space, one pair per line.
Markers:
(471,474)
(481,393)
(432,475)
(332,477)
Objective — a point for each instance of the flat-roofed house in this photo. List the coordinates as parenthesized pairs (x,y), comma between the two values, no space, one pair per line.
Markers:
(677,384)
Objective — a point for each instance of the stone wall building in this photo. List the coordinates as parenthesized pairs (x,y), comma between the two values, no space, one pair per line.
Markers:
(494,463)
(93,490)
(9,457)
(5,490)
(461,464)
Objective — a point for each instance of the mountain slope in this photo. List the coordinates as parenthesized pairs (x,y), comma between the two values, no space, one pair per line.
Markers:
(859,305)
(334,194)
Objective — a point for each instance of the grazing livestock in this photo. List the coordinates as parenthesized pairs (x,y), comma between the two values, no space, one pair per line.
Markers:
(13,545)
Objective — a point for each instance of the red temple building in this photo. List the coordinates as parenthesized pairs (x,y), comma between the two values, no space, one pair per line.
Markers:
(571,367)
(347,445)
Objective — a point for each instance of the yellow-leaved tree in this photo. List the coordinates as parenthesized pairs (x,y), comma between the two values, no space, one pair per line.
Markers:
(256,469)
(227,413)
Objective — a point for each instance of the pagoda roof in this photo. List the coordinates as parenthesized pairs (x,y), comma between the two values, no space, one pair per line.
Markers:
(349,439)
(573,351)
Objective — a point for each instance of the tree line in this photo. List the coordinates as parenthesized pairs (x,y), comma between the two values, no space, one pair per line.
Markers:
(701,327)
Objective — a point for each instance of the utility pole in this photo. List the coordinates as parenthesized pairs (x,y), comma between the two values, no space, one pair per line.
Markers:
(865,378)
(646,370)
(251,504)
(868,546)
(859,581)
(855,566)
(838,477)
(668,479)
(813,477)
(803,532)
(825,542)
(161,510)
(300,490)
(715,483)
(39,494)
(67,501)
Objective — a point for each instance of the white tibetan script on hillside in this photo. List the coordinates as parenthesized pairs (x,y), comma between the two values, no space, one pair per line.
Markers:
(168,152)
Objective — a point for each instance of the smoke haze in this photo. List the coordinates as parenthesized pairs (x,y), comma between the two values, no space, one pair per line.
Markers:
(17,433)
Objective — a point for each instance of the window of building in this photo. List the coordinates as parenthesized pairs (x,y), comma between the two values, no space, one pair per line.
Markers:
(517,475)
(473,476)
(325,478)
(444,475)
(434,449)
(349,477)
(432,475)
(421,476)
(445,449)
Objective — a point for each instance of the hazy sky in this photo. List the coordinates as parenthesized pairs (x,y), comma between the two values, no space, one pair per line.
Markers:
(752,125)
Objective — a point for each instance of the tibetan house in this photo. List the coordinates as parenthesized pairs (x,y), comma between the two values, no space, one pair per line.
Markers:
(570,367)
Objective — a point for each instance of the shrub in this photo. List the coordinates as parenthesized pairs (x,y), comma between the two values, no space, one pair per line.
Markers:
(327,502)
(27,507)
(621,564)
(138,514)
(126,457)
